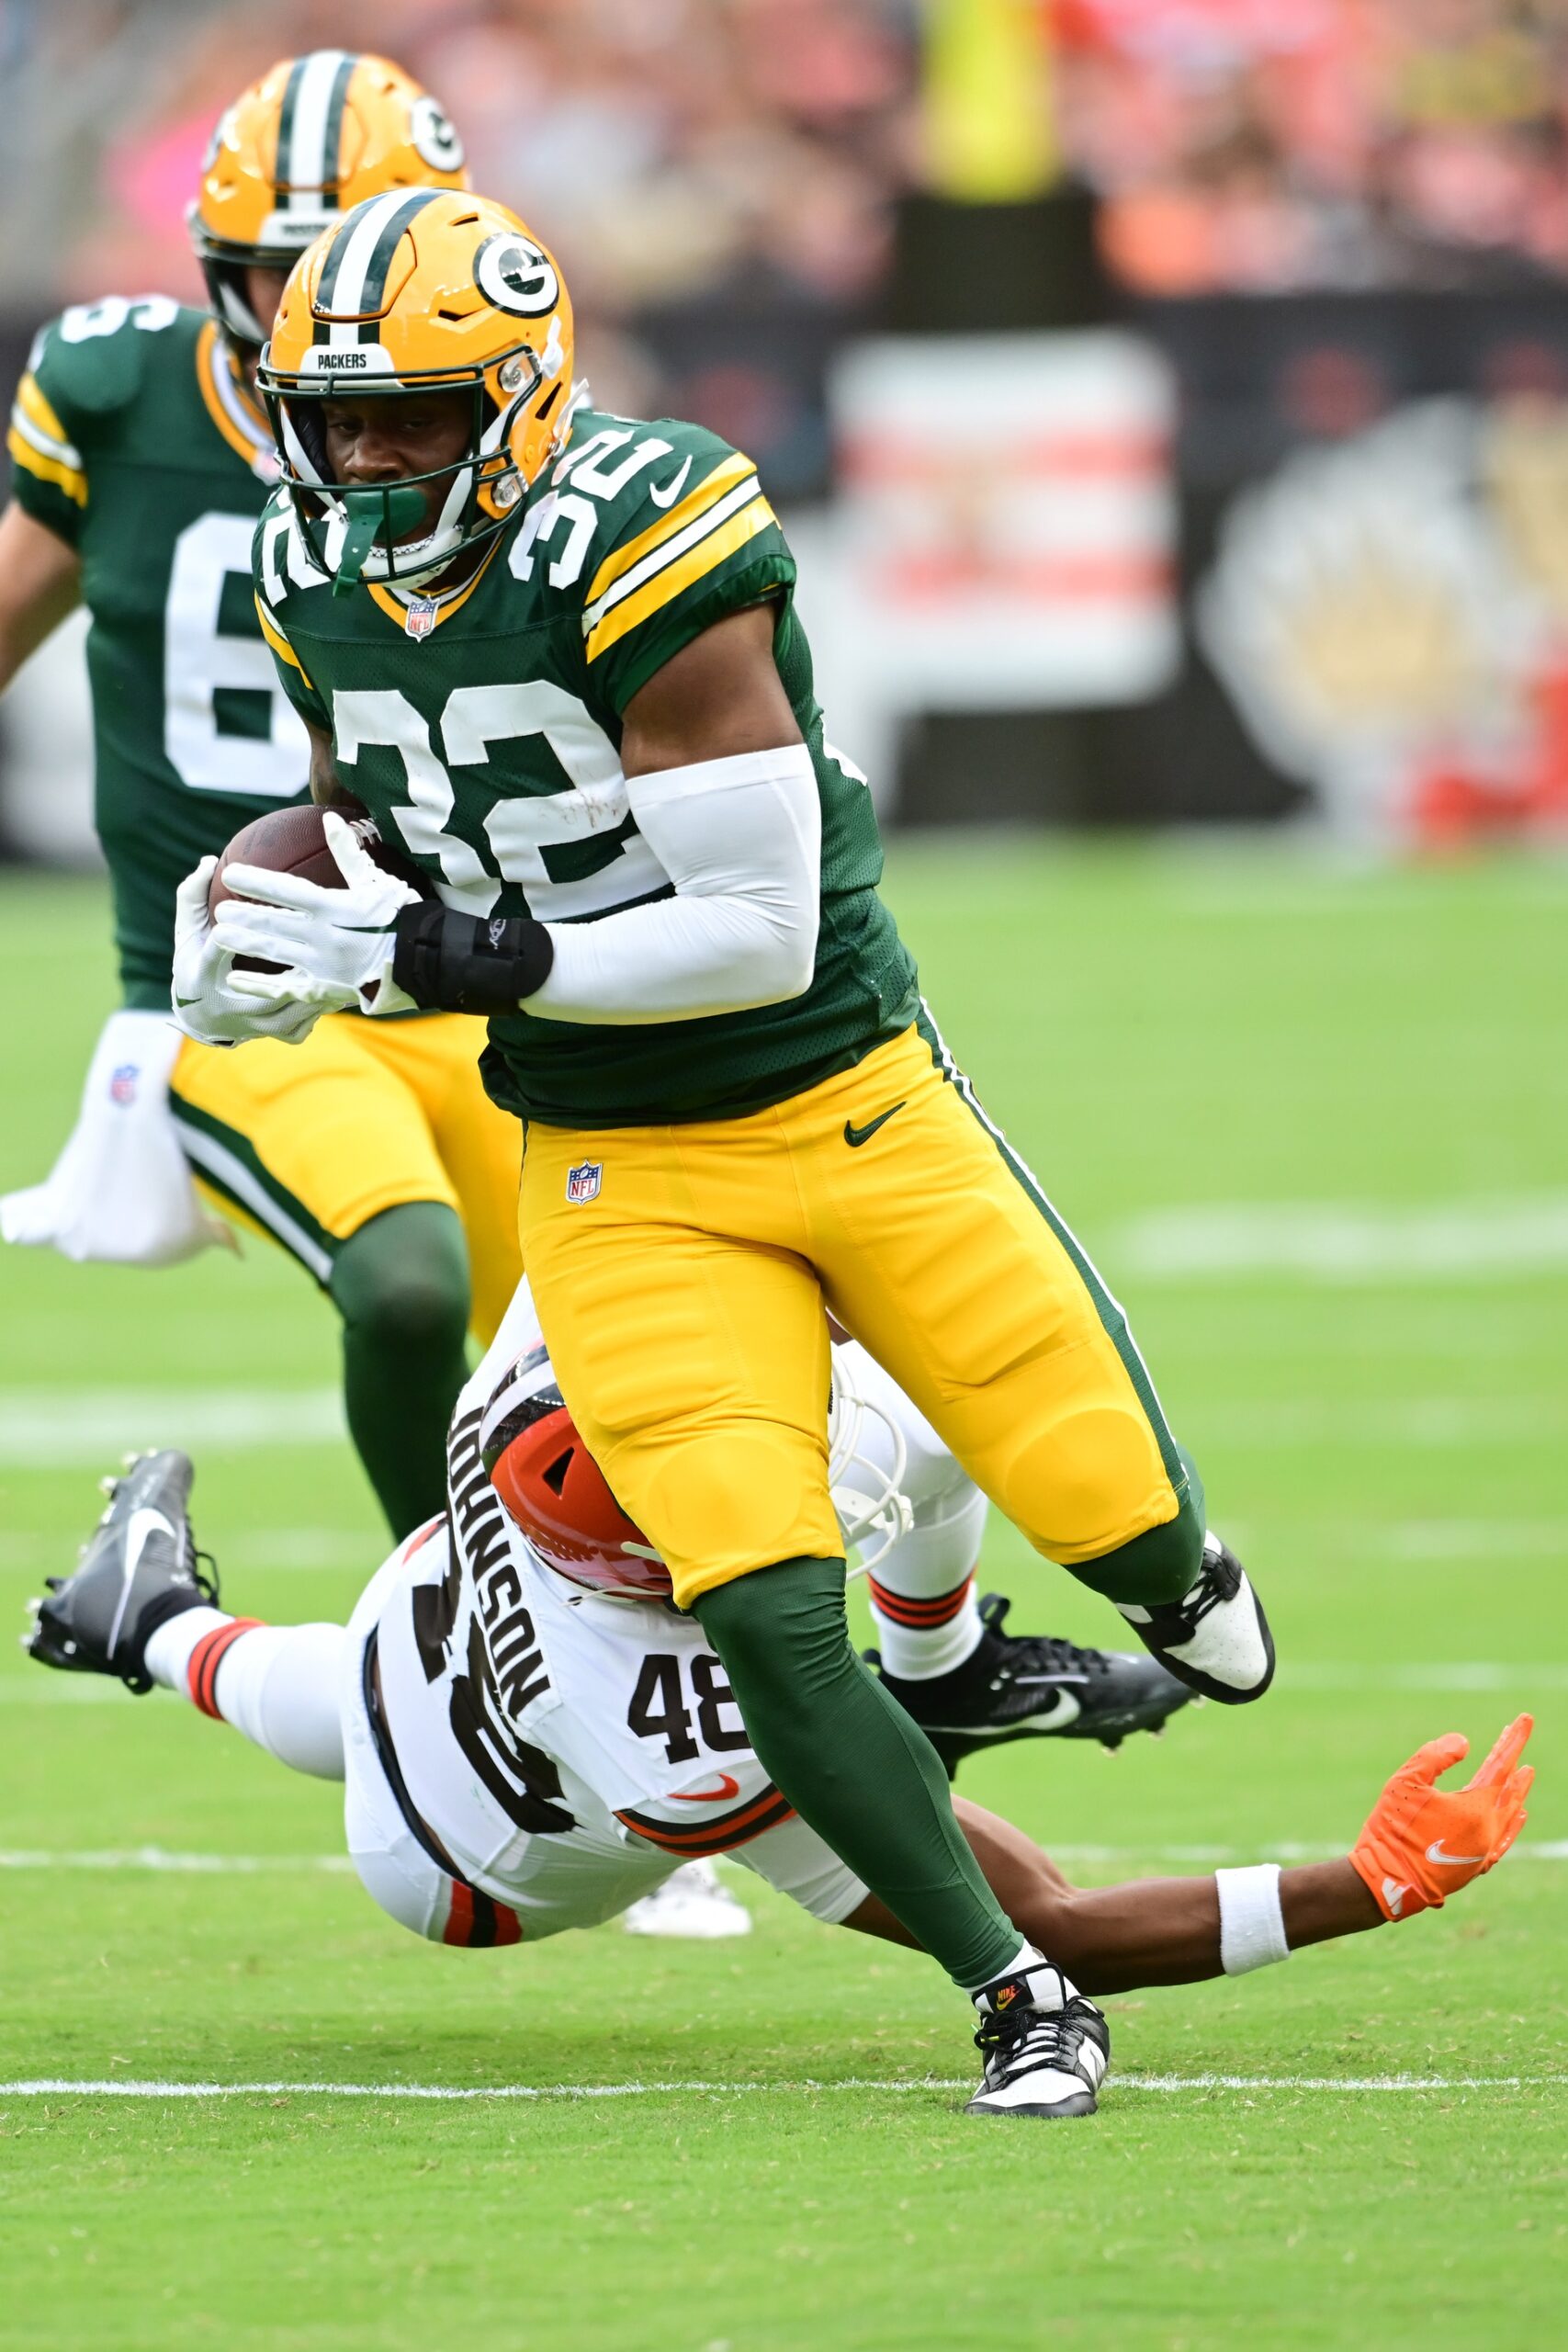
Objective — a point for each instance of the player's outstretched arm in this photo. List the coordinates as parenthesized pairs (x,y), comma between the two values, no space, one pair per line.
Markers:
(40,581)
(1420,1844)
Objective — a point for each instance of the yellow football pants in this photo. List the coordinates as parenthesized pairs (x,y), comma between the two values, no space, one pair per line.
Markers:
(680,1278)
(307,1142)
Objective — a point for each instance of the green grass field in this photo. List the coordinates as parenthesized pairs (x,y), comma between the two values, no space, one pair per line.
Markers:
(1370,1365)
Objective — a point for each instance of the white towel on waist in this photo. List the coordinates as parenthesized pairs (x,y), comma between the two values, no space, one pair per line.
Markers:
(122,1189)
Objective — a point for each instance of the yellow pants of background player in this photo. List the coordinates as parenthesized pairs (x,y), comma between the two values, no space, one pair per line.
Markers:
(308,1143)
(682,1306)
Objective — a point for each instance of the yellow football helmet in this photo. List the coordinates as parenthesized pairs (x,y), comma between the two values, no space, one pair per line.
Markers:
(311,140)
(419,291)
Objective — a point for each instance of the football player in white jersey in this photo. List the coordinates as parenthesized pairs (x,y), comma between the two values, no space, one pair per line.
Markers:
(532,1738)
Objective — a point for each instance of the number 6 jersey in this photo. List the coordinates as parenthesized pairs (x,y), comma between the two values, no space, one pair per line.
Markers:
(481,726)
(135,440)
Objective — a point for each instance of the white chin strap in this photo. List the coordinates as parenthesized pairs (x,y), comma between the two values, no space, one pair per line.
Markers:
(873,1511)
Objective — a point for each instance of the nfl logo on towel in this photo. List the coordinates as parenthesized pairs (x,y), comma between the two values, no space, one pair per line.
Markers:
(122,1085)
(583,1182)
(420,617)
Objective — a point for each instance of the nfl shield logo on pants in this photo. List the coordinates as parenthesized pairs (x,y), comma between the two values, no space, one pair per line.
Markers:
(583,1182)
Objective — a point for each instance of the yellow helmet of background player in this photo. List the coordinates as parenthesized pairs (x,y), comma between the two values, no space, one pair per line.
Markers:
(314,137)
(421,291)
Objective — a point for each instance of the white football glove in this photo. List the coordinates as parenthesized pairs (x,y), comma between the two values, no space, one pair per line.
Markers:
(338,944)
(212,1002)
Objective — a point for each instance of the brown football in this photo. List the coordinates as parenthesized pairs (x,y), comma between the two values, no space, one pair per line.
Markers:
(294,841)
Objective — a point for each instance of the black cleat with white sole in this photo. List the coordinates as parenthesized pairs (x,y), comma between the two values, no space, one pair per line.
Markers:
(1045,2047)
(138,1569)
(1033,1686)
(1215,1638)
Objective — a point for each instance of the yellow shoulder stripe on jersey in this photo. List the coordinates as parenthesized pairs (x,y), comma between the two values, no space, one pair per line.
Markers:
(70,478)
(40,414)
(226,399)
(39,441)
(279,643)
(626,613)
(620,561)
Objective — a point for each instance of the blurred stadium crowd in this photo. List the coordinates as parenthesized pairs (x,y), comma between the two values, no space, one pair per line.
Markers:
(1323,218)
(682,148)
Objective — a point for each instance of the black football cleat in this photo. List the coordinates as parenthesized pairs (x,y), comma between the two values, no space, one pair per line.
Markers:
(138,1569)
(1045,2047)
(1033,1686)
(1215,1638)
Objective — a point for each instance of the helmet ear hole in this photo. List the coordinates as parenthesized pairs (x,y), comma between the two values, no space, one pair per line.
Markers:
(555,1474)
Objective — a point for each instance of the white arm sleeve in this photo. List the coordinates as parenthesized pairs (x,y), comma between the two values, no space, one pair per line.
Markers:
(741,841)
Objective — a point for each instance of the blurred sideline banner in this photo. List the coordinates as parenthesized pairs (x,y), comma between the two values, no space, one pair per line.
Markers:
(1006,518)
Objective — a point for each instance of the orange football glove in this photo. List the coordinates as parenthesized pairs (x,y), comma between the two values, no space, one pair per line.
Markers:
(1421,1843)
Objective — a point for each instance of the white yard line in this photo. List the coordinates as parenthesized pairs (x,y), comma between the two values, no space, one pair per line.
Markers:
(92,1427)
(159,1859)
(64,2088)
(1356,1244)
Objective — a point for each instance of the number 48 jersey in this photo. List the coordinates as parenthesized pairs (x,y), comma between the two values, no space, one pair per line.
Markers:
(482,726)
(134,439)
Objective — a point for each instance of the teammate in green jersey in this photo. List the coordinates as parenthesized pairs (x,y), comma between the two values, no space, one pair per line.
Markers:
(142,459)
(555,655)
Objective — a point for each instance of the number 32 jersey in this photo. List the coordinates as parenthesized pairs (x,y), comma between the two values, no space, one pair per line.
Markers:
(481,727)
(134,440)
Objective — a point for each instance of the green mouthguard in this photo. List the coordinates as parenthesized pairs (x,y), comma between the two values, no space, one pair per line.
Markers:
(374,514)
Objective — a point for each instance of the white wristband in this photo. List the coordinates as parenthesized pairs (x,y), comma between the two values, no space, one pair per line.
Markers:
(1252,1926)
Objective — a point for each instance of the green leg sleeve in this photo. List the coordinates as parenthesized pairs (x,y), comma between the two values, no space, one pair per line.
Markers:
(852,1763)
(1158,1565)
(402,1286)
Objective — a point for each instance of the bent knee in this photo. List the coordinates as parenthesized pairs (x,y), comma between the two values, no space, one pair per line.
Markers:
(403,1279)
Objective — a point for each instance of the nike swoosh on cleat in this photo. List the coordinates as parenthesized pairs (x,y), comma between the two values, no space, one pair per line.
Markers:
(854,1136)
(668,496)
(729,1787)
(1065,1711)
(1454,1861)
(143,1523)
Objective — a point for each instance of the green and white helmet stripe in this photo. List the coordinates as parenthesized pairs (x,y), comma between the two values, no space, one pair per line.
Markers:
(309,135)
(354,276)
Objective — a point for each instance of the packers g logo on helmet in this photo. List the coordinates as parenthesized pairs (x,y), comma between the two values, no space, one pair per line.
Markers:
(313,138)
(419,291)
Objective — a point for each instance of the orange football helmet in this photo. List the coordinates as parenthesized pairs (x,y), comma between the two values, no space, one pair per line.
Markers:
(556,1491)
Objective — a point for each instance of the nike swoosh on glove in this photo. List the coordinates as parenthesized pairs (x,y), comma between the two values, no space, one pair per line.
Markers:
(1421,1843)
(212,1002)
(337,944)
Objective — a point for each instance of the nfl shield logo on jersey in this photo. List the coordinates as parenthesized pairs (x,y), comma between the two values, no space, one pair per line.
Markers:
(420,617)
(583,1182)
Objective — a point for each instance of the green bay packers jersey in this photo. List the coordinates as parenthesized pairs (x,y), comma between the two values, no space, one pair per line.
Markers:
(482,726)
(134,439)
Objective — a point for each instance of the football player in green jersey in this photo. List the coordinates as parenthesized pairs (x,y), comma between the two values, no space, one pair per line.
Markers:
(555,654)
(142,459)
